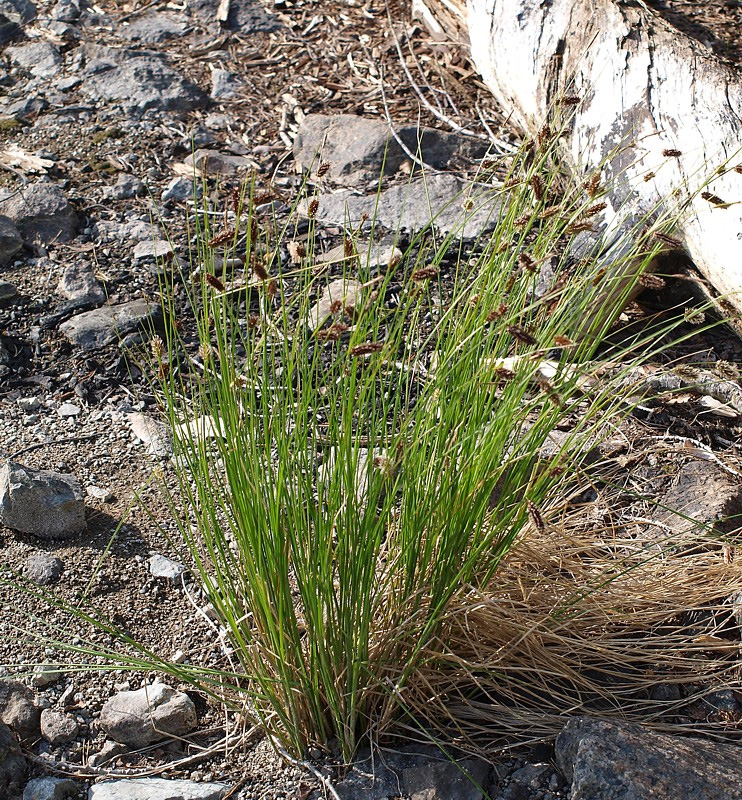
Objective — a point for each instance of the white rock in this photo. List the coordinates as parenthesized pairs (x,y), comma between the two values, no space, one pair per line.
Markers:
(68,410)
(162,567)
(156,789)
(346,293)
(154,434)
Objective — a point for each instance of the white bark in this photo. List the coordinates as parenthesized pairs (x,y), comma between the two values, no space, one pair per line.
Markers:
(641,83)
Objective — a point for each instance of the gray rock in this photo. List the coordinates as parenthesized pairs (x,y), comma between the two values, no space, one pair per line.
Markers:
(126,187)
(152,28)
(42,212)
(41,58)
(446,779)
(8,290)
(245,16)
(139,82)
(12,764)
(209,162)
(163,567)
(358,149)
(107,753)
(440,200)
(68,410)
(45,674)
(340,292)
(10,239)
(156,789)
(107,324)
(43,568)
(148,715)
(50,789)
(18,11)
(27,106)
(8,30)
(154,434)
(180,190)
(224,84)
(152,248)
(78,283)
(58,728)
(621,761)
(18,710)
(40,502)
(66,11)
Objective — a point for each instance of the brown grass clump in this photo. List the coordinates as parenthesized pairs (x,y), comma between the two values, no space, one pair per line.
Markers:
(586,622)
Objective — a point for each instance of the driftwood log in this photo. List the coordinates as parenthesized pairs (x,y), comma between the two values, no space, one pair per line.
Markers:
(657,108)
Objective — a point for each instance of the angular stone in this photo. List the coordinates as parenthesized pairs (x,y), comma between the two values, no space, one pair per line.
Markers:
(58,728)
(439,200)
(7,290)
(13,765)
(50,789)
(224,84)
(18,710)
(245,16)
(42,212)
(209,162)
(43,568)
(40,502)
(108,324)
(152,28)
(163,567)
(152,248)
(126,187)
(359,150)
(147,715)
(622,761)
(342,293)
(156,789)
(18,11)
(154,434)
(139,82)
(78,283)
(10,240)
(66,11)
(180,190)
(41,58)
(446,779)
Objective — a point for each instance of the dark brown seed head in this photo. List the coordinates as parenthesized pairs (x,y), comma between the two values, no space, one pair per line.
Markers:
(537,184)
(424,274)
(671,152)
(549,211)
(599,276)
(522,221)
(336,306)
(694,316)
(593,184)
(497,313)
(214,282)
(253,321)
(563,341)
(738,168)
(570,100)
(504,374)
(673,244)
(714,199)
(594,209)
(649,281)
(348,247)
(527,262)
(578,227)
(323,169)
(272,289)
(366,349)
(544,135)
(648,177)
(535,516)
(521,334)
(222,237)
(235,198)
(258,267)
(262,198)
(313,208)
(489,163)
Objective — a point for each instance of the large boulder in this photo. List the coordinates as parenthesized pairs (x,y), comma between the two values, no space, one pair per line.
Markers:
(42,212)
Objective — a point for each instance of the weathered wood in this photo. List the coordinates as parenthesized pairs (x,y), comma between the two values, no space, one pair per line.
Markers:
(645,88)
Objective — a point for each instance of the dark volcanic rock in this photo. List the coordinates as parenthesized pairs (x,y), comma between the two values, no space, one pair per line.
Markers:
(12,764)
(138,81)
(10,240)
(621,761)
(245,16)
(42,212)
(153,28)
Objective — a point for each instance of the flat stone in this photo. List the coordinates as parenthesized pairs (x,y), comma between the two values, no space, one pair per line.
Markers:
(43,568)
(41,212)
(66,11)
(10,239)
(180,189)
(41,58)
(621,761)
(156,789)
(340,292)
(163,567)
(18,710)
(44,675)
(359,150)
(7,290)
(99,494)
(126,187)
(245,16)
(152,28)
(153,248)
(78,282)
(446,779)
(147,715)
(138,82)
(40,502)
(439,200)
(13,765)
(108,324)
(225,85)
(154,434)
(18,11)
(50,789)
(58,728)
(209,162)
(68,410)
